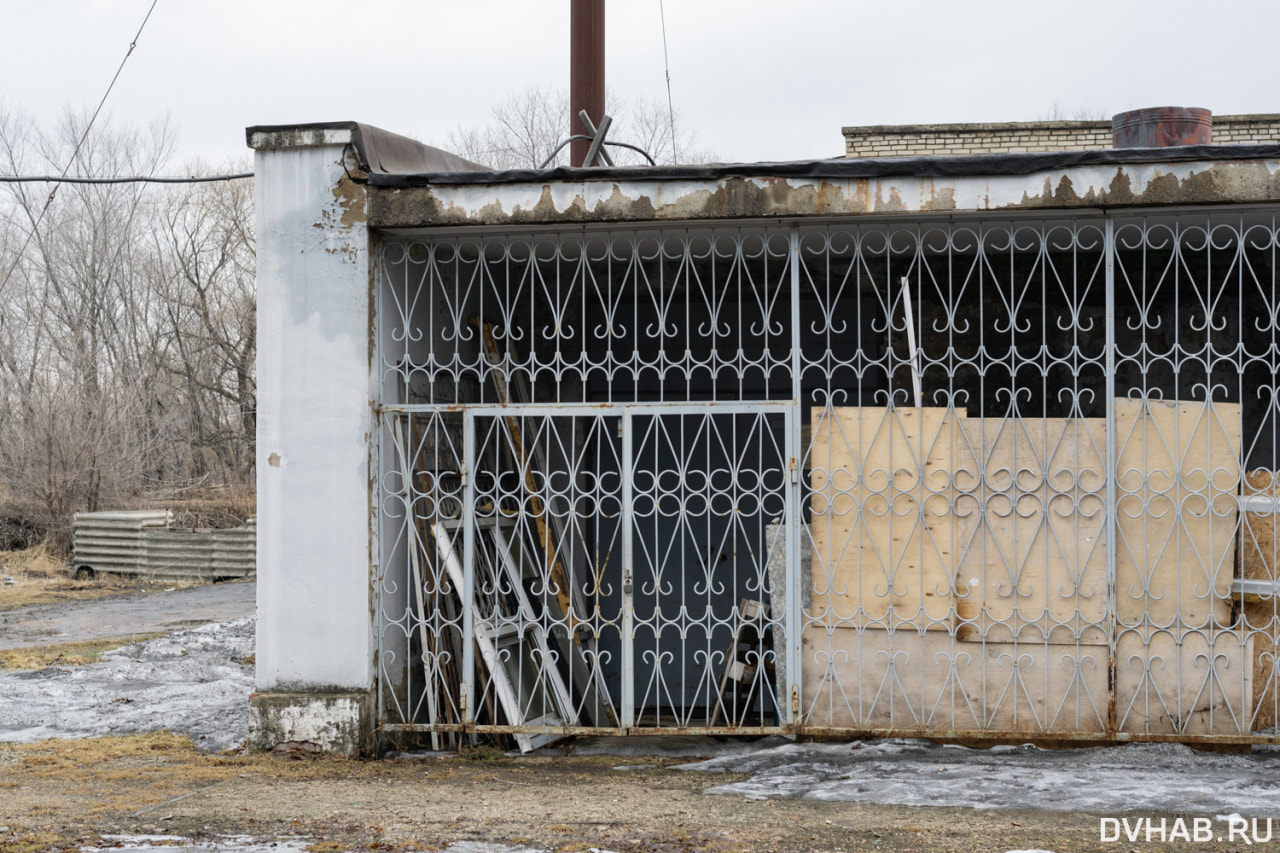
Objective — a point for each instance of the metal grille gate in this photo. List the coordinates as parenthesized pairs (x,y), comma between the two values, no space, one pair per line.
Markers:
(960,477)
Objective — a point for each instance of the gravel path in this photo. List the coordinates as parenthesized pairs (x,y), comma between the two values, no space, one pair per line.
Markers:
(136,613)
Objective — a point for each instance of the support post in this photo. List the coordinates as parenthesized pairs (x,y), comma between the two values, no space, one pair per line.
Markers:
(316,550)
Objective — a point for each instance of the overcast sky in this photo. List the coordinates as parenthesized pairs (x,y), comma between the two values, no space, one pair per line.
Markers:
(756,79)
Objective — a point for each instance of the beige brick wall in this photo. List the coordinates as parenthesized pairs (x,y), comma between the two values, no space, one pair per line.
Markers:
(912,140)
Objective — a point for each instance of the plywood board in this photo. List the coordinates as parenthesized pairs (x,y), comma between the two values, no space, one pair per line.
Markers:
(912,680)
(1031,523)
(1178,475)
(1198,683)
(882,520)
(1259,557)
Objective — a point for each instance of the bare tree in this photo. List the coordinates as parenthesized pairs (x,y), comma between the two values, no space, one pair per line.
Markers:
(127,338)
(527,126)
(207,288)
(1060,112)
(78,354)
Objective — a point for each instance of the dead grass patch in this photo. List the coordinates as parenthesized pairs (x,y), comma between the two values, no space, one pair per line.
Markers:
(115,775)
(67,654)
(40,575)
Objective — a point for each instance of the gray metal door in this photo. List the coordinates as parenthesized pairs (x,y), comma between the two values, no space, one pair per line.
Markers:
(634,560)
(707,497)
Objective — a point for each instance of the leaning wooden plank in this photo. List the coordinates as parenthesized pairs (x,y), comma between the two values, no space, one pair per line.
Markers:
(1177,480)
(486,637)
(1032,531)
(579,646)
(882,507)
(548,702)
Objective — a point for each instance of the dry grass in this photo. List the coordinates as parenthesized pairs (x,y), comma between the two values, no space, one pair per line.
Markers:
(40,576)
(67,654)
(121,773)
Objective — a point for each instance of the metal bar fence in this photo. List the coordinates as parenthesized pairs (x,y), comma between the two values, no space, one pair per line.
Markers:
(680,479)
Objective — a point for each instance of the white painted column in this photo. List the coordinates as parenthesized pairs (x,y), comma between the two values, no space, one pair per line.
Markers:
(315,421)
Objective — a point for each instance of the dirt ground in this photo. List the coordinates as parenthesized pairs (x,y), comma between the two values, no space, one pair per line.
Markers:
(60,795)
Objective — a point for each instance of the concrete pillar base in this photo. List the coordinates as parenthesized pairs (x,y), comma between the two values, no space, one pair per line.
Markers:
(339,723)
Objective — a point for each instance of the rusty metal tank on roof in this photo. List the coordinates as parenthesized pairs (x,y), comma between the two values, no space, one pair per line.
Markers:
(1162,127)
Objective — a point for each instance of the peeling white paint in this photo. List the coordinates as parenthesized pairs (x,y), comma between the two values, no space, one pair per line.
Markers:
(314,625)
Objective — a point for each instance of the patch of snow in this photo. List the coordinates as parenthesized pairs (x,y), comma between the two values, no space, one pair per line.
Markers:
(188,682)
(684,746)
(1109,780)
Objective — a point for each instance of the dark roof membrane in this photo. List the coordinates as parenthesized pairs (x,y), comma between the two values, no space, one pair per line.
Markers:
(397,161)
(968,165)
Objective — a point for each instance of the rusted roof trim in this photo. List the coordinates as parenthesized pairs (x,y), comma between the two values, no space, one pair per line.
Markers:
(593,198)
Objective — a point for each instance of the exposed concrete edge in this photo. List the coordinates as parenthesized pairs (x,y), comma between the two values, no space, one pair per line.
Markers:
(341,723)
(276,139)
(378,151)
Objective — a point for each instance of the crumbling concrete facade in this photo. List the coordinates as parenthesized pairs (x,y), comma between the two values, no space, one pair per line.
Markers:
(373,255)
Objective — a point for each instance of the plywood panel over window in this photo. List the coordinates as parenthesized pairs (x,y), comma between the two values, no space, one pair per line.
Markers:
(1177,479)
(1031,519)
(883,528)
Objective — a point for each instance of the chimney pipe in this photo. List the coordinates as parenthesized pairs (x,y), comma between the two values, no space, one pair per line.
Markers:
(586,70)
(1162,127)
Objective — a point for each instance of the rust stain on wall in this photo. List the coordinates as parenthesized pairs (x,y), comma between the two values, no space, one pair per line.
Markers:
(350,199)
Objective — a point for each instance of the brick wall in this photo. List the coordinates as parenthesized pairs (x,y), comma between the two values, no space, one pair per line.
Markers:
(911,140)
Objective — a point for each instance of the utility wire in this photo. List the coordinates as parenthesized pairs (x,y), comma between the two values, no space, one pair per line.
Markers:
(671,110)
(76,153)
(192,179)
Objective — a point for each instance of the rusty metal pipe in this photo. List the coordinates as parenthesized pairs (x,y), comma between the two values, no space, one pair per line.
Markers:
(586,71)
(1162,127)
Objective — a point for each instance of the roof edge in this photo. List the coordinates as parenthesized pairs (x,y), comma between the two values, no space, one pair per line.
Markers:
(993,165)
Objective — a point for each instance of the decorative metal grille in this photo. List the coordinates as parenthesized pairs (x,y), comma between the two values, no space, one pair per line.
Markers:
(960,476)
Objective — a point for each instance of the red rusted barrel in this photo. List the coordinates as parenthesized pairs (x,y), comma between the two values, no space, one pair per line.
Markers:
(1162,127)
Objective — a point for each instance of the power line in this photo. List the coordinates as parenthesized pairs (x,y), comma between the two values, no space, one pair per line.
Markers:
(671,110)
(175,179)
(76,153)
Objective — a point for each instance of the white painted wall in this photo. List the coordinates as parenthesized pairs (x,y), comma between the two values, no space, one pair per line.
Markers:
(315,629)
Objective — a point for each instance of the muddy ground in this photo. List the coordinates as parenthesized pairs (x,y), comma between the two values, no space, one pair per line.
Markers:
(67,794)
